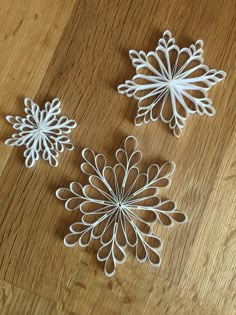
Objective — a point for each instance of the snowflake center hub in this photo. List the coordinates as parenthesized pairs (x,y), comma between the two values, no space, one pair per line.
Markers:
(171,83)
(119,205)
(41,128)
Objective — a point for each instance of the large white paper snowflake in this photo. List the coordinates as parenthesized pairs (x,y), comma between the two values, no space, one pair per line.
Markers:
(118,206)
(41,132)
(171,83)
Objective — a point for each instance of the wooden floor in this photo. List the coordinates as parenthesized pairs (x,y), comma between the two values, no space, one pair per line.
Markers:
(78,51)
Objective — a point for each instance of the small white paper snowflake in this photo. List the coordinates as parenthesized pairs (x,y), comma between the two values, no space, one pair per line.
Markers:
(42,132)
(118,206)
(171,83)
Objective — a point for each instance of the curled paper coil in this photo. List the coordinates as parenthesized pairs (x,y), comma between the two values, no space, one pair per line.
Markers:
(42,132)
(119,206)
(171,83)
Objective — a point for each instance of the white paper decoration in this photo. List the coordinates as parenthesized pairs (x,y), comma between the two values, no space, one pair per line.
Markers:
(171,83)
(119,205)
(42,132)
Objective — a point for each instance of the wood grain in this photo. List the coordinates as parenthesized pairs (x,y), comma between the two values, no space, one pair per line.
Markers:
(78,51)
(14,300)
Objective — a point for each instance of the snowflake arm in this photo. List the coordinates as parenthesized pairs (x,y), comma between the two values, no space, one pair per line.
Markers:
(119,206)
(180,86)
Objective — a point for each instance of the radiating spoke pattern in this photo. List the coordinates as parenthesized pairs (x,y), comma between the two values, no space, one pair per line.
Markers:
(119,206)
(42,132)
(171,83)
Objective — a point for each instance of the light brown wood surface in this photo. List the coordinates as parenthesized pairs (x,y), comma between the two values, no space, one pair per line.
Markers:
(78,51)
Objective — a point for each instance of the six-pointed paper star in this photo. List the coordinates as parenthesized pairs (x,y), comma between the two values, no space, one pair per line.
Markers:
(119,205)
(42,132)
(171,83)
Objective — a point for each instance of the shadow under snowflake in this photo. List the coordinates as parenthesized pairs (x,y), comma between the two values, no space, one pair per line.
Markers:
(41,132)
(171,83)
(118,206)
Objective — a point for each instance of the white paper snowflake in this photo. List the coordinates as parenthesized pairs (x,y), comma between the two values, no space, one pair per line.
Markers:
(171,83)
(42,132)
(118,206)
